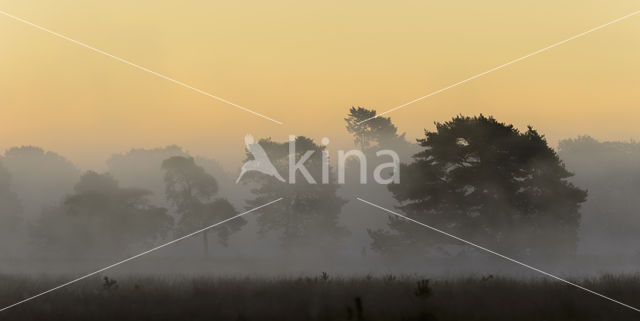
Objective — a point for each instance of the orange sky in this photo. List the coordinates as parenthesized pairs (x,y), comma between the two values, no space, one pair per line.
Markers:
(305,63)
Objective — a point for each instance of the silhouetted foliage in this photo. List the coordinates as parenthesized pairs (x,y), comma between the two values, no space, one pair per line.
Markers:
(485,181)
(308,214)
(10,208)
(40,178)
(362,133)
(204,298)
(142,168)
(423,290)
(109,284)
(103,218)
(373,135)
(377,132)
(189,188)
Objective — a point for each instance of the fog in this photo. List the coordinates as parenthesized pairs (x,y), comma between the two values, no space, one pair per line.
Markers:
(610,171)
(58,219)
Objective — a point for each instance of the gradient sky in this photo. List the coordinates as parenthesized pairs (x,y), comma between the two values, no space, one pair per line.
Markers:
(305,63)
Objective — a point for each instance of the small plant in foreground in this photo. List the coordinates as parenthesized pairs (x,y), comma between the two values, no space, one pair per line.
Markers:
(358,310)
(487,278)
(109,284)
(389,278)
(423,290)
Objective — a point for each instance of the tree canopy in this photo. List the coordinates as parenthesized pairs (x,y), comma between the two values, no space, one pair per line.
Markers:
(40,177)
(10,206)
(369,130)
(374,134)
(489,183)
(102,218)
(309,213)
(190,188)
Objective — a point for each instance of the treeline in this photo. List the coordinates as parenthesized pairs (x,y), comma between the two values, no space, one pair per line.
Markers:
(474,177)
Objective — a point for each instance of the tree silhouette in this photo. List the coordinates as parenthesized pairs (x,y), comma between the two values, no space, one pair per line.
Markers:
(41,178)
(487,182)
(142,168)
(362,132)
(10,207)
(373,135)
(102,218)
(378,132)
(308,214)
(189,188)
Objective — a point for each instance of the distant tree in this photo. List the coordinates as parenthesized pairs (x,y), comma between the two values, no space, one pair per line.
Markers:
(101,217)
(227,187)
(40,178)
(141,167)
(10,206)
(189,188)
(309,212)
(362,132)
(186,182)
(374,134)
(485,181)
(378,132)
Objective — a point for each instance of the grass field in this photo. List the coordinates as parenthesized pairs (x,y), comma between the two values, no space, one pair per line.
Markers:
(321,297)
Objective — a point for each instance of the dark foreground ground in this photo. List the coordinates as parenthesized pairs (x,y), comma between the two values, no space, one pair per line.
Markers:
(321,297)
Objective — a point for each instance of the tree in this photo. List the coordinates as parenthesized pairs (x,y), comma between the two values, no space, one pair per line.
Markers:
(186,183)
(374,134)
(10,207)
(189,188)
(142,168)
(309,212)
(101,217)
(361,132)
(489,183)
(370,131)
(41,178)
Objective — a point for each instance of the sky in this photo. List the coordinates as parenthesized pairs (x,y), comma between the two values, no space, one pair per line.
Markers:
(305,64)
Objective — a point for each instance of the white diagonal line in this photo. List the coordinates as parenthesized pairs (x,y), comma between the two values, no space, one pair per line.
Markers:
(136,256)
(500,255)
(140,67)
(504,65)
